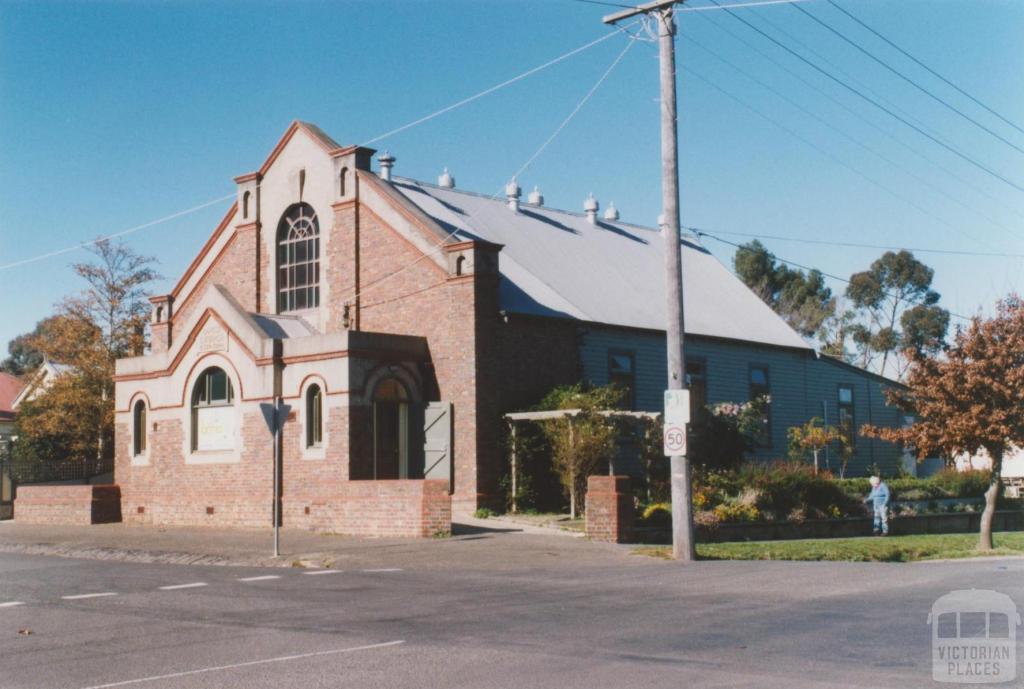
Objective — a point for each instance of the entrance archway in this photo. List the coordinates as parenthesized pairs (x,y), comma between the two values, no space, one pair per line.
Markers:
(390,430)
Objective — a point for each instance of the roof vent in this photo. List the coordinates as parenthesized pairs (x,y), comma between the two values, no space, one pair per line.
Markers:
(611,213)
(512,193)
(387,161)
(535,198)
(590,207)
(446,180)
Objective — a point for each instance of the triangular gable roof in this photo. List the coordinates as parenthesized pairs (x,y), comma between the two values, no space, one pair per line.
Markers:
(10,386)
(556,263)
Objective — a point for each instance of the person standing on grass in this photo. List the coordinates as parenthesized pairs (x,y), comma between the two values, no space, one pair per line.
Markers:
(879,499)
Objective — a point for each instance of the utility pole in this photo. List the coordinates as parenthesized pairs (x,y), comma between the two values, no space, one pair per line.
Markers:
(682,514)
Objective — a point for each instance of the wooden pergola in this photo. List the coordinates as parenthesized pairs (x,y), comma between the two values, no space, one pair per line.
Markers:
(515,417)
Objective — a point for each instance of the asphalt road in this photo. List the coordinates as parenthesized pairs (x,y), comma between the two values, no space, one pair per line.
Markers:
(616,621)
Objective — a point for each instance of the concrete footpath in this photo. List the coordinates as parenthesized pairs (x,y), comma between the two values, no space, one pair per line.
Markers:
(482,544)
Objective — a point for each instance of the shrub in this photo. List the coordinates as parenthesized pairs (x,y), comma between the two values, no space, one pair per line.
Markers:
(484,513)
(657,515)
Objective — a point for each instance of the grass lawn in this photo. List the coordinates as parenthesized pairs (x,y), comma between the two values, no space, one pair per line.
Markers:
(870,549)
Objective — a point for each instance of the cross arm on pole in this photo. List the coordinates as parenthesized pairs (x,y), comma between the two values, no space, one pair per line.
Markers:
(639,9)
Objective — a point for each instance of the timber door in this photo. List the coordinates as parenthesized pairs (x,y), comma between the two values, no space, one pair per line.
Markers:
(437,441)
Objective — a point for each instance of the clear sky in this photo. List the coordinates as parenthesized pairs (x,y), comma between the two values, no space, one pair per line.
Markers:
(113,114)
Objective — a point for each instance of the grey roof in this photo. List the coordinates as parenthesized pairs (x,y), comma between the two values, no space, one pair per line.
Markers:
(283,327)
(555,263)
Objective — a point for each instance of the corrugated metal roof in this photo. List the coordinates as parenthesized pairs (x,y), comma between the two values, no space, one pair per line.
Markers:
(555,263)
(283,327)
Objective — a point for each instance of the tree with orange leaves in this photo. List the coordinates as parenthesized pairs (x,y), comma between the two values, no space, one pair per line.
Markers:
(968,398)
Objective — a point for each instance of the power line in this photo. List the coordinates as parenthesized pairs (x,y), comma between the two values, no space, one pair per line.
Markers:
(825,153)
(808,268)
(875,103)
(910,81)
(859,143)
(122,233)
(496,87)
(857,245)
(441,244)
(754,3)
(924,66)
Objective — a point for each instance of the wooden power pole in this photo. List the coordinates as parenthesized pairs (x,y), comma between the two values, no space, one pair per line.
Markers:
(682,513)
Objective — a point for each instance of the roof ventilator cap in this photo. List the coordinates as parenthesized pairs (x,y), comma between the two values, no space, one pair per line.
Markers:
(611,213)
(446,180)
(535,198)
(590,207)
(387,161)
(512,193)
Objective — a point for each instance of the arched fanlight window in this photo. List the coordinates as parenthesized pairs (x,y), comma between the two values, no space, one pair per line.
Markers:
(139,428)
(314,416)
(298,259)
(213,421)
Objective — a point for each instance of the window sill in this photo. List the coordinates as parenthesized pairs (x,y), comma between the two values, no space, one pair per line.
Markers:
(140,460)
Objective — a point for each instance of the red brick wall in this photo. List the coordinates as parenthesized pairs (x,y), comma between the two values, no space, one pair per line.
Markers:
(237,269)
(609,508)
(404,508)
(67,504)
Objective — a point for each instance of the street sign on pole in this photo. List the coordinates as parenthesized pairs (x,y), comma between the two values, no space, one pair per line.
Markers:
(677,415)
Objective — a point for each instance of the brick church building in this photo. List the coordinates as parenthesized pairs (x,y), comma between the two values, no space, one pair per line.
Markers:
(397,321)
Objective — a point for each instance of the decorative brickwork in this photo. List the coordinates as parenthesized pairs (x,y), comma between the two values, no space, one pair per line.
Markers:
(609,509)
(68,504)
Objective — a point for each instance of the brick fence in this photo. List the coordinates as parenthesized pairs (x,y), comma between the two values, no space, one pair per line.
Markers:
(609,509)
(68,504)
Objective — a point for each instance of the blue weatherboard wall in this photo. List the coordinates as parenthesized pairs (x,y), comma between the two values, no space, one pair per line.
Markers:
(800,382)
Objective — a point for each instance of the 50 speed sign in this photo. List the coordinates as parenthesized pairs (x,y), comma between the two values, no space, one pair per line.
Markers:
(677,415)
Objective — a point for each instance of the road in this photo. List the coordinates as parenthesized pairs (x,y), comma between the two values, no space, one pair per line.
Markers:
(611,620)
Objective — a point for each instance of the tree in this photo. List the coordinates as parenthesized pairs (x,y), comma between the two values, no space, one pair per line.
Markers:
(969,399)
(24,355)
(814,436)
(584,441)
(900,310)
(836,330)
(802,299)
(73,417)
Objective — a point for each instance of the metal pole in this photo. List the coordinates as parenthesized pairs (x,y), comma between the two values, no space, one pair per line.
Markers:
(515,483)
(277,476)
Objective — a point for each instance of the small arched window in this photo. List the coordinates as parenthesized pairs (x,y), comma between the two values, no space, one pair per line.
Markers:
(213,422)
(460,265)
(298,259)
(139,428)
(314,416)
(245,204)
(343,181)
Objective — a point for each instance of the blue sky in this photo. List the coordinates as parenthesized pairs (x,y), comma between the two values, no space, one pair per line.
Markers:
(116,114)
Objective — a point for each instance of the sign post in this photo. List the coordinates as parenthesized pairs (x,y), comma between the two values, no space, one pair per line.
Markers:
(677,415)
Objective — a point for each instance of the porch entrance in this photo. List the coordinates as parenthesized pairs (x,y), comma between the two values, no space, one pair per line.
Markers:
(390,430)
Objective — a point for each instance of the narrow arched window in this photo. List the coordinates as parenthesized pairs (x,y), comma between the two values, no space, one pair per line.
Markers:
(298,259)
(314,416)
(139,428)
(343,181)
(213,420)
(245,204)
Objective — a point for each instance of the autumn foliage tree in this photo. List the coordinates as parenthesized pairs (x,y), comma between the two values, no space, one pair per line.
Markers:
(968,399)
(73,417)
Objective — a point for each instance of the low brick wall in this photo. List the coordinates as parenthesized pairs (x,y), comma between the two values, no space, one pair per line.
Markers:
(67,504)
(609,509)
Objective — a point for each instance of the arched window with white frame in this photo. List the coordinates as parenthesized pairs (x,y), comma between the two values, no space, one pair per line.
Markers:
(139,428)
(213,413)
(298,259)
(314,416)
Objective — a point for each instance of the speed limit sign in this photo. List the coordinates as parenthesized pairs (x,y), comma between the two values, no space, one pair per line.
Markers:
(677,415)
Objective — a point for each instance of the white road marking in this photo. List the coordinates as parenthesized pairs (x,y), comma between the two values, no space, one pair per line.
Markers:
(279,659)
(388,569)
(193,585)
(323,571)
(11,604)
(89,595)
(263,578)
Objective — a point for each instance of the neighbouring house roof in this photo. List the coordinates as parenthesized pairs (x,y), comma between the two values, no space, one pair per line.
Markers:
(556,263)
(40,379)
(10,386)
